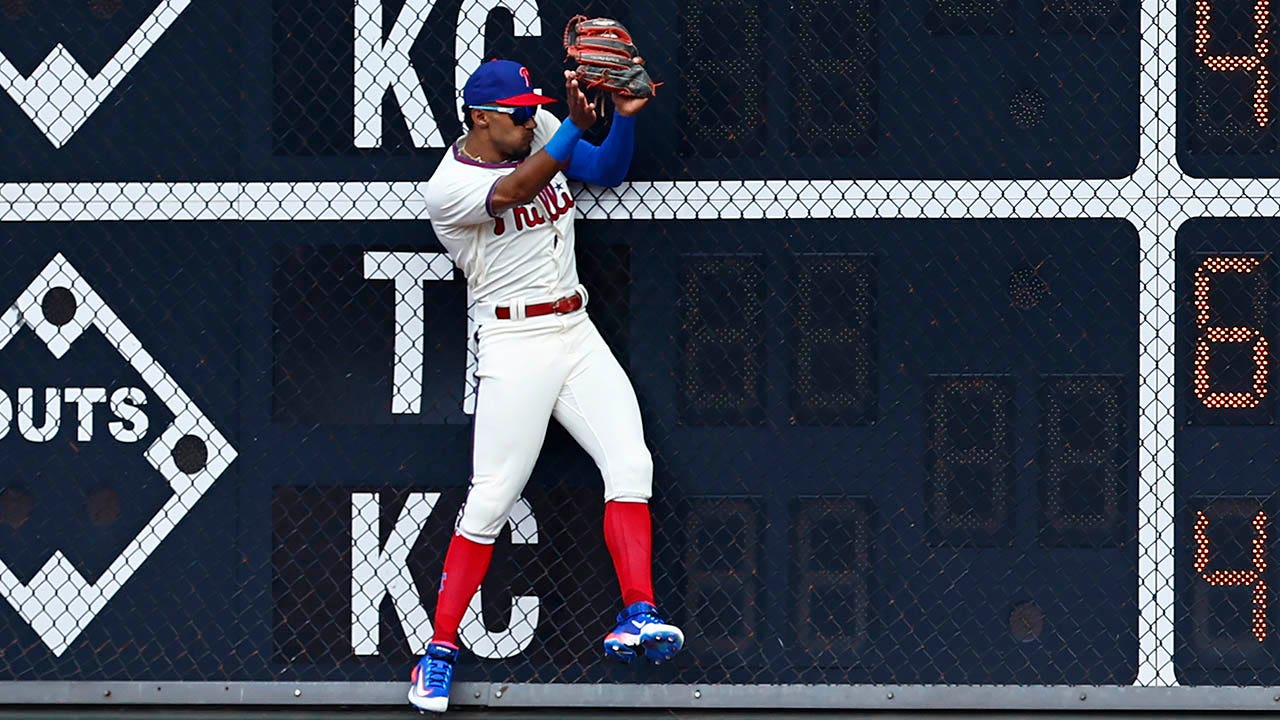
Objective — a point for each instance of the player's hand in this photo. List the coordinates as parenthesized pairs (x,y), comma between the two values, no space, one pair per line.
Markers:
(581,111)
(626,104)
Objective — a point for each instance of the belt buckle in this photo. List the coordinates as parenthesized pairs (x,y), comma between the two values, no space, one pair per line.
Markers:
(563,305)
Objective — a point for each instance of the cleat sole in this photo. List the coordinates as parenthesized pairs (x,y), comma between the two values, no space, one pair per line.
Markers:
(661,646)
(428,705)
(619,652)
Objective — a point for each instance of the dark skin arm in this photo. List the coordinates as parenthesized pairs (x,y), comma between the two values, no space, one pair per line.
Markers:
(525,182)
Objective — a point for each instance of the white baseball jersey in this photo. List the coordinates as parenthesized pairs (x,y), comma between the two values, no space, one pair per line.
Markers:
(525,253)
(530,370)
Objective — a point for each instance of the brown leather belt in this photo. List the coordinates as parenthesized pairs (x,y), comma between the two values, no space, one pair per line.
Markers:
(559,307)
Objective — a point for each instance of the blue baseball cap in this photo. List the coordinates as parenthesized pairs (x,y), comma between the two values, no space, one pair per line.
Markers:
(501,82)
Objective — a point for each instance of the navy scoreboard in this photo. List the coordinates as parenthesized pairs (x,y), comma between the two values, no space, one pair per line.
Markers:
(886,451)
(900,450)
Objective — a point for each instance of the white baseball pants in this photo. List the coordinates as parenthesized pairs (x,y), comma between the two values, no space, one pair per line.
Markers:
(529,371)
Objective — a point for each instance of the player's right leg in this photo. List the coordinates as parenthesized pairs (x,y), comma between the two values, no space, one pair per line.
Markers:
(598,407)
(520,378)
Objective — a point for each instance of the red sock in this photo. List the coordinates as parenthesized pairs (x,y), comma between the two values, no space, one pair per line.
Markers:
(464,567)
(628,533)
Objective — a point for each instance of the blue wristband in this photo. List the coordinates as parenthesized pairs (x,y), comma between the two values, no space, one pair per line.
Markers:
(561,145)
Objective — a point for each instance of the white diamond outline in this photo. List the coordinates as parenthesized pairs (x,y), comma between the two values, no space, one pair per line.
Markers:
(59,96)
(59,603)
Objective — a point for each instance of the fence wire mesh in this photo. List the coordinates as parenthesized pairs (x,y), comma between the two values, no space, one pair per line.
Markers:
(952,326)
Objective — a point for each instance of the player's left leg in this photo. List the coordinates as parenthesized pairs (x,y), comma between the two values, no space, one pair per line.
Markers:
(598,406)
(521,372)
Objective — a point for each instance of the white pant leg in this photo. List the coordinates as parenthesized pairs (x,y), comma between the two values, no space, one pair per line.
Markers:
(598,407)
(521,372)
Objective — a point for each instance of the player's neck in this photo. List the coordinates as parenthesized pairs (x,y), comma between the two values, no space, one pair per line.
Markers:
(480,151)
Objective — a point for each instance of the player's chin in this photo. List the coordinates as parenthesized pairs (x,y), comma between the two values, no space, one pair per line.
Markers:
(522,153)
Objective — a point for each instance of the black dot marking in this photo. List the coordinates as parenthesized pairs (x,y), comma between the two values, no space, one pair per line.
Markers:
(15,506)
(104,9)
(14,9)
(1026,288)
(59,306)
(1027,107)
(190,454)
(103,506)
(1026,621)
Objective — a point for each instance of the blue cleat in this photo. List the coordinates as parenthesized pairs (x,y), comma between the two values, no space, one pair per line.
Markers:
(641,627)
(432,677)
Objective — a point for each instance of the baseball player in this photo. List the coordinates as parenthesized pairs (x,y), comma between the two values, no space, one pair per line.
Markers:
(500,203)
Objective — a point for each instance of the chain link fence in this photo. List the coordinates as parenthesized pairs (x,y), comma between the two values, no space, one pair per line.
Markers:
(953,325)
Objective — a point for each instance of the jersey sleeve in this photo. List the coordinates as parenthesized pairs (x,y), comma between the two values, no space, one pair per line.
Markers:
(461,198)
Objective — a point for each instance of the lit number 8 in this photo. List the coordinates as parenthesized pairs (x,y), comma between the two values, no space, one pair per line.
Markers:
(1238,578)
(1248,63)
(1208,335)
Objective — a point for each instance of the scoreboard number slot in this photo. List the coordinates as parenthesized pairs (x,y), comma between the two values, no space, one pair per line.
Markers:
(831,609)
(1225,451)
(833,71)
(724,74)
(1082,461)
(723,537)
(969,460)
(1232,378)
(832,351)
(722,326)
(834,375)
(1230,597)
(1233,105)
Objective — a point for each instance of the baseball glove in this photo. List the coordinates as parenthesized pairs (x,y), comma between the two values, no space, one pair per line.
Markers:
(606,57)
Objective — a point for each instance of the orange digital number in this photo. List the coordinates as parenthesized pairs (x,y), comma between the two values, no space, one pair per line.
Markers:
(1208,335)
(1238,578)
(1255,63)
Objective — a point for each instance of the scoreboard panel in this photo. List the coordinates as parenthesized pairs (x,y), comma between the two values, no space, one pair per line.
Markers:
(901,449)
(364,90)
(966,487)
(1226,451)
(1226,88)
(754,89)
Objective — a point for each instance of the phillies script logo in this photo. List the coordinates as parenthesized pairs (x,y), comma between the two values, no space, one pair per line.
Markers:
(60,307)
(60,95)
(554,201)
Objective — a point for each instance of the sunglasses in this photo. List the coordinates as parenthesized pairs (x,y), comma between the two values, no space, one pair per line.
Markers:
(519,115)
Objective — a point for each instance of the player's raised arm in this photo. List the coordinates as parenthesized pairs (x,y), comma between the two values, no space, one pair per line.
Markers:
(523,184)
(607,164)
(608,61)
